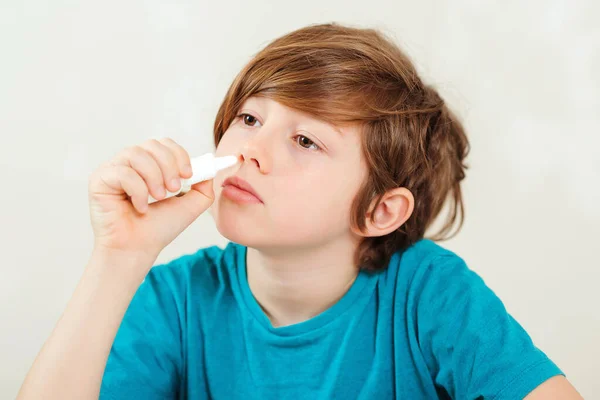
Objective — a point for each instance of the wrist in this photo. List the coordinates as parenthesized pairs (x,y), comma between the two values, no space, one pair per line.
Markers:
(129,266)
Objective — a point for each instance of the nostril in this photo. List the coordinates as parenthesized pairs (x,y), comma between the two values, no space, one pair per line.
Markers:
(247,159)
(250,159)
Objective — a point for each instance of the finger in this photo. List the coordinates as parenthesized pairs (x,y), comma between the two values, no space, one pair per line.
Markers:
(182,156)
(167,162)
(146,165)
(126,180)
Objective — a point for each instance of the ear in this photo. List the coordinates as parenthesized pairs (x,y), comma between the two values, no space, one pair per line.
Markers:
(392,212)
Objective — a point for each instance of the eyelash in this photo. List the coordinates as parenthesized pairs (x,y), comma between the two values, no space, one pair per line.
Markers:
(317,147)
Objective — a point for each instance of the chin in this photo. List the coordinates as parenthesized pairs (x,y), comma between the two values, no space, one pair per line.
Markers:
(249,225)
(240,225)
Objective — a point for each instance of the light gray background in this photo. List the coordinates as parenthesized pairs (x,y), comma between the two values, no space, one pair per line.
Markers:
(81,80)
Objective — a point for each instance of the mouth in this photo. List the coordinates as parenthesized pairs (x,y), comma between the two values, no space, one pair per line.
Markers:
(238,190)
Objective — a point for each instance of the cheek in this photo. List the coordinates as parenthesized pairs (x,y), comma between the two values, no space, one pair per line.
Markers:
(340,192)
(318,199)
(228,144)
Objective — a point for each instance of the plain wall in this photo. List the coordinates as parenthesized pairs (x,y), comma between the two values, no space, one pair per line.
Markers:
(81,80)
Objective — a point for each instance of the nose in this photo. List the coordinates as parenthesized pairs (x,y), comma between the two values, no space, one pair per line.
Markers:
(257,150)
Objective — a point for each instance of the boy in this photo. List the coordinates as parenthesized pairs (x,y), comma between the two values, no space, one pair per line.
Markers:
(328,288)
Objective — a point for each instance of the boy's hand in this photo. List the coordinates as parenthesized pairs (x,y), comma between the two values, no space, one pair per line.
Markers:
(121,218)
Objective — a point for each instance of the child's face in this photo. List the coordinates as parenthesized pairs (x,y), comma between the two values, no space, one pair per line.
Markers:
(305,171)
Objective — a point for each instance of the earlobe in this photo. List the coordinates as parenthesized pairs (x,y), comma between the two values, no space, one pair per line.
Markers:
(391,213)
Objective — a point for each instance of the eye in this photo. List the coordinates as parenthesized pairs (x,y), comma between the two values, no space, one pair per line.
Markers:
(306,143)
(248,119)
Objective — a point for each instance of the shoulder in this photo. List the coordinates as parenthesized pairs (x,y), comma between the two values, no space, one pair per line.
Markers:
(427,263)
(207,269)
(434,285)
(454,319)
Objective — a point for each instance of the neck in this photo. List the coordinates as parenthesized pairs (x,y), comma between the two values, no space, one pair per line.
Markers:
(293,287)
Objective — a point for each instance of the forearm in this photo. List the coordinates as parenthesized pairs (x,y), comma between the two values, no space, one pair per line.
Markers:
(72,361)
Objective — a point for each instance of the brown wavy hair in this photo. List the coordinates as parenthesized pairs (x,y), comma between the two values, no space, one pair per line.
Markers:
(346,75)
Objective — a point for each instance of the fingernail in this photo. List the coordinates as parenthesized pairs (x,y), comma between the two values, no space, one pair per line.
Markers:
(175,183)
(187,169)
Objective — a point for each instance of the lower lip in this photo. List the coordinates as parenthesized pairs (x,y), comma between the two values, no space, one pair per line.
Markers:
(238,195)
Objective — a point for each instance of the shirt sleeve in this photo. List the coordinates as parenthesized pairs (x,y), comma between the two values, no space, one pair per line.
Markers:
(473,348)
(145,358)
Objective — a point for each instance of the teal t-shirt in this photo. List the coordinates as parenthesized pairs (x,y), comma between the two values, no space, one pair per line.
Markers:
(427,327)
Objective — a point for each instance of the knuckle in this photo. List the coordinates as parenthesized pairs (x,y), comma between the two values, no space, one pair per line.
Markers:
(167,140)
(135,151)
(173,146)
(151,143)
(163,152)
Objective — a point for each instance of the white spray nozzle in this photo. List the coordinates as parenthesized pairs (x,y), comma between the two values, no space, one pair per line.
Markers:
(203,168)
(225,162)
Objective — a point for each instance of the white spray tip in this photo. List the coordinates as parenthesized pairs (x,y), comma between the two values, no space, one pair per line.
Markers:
(203,167)
(225,162)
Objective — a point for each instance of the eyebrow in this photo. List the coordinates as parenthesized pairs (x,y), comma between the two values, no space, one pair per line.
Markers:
(260,100)
(337,130)
(328,127)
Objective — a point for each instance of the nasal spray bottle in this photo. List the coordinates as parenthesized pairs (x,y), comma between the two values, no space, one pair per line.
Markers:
(204,167)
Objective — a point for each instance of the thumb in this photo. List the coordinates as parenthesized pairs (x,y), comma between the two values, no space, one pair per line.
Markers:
(205,188)
(180,212)
(196,201)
